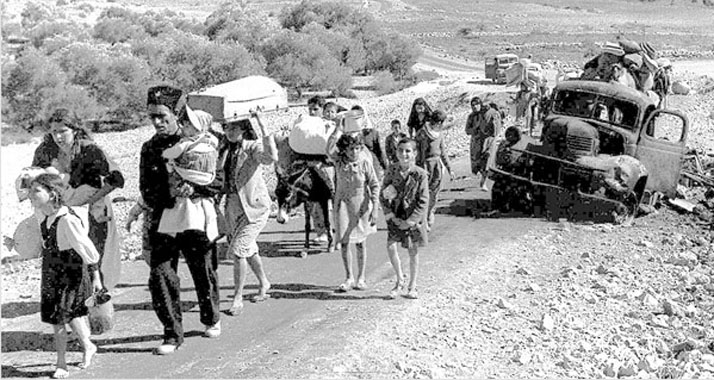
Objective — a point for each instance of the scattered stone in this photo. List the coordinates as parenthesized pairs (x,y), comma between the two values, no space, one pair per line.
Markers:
(523,357)
(628,369)
(646,244)
(680,88)
(503,304)
(585,255)
(685,259)
(689,345)
(523,271)
(533,287)
(650,363)
(672,308)
(547,323)
(612,368)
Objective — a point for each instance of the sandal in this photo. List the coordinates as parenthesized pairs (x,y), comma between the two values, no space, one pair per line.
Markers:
(361,285)
(60,373)
(412,294)
(235,309)
(260,297)
(346,286)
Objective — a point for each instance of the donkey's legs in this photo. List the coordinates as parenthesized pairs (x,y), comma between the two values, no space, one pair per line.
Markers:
(306,206)
(328,224)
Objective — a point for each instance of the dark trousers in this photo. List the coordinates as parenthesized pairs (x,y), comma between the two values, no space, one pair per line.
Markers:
(164,280)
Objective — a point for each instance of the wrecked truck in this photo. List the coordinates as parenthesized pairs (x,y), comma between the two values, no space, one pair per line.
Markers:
(604,149)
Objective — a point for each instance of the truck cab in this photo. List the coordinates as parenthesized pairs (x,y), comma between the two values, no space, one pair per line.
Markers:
(495,66)
(600,142)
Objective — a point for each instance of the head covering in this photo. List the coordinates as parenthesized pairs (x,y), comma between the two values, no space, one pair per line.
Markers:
(613,48)
(171,97)
(413,120)
(201,120)
(632,59)
(476,99)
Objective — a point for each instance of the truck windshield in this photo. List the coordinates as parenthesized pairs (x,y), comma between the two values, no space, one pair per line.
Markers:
(596,107)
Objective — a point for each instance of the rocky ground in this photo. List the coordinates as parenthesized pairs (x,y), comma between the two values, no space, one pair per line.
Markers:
(568,300)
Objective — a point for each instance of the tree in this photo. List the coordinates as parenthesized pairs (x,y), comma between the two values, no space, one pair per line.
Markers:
(193,62)
(230,22)
(35,84)
(327,14)
(301,62)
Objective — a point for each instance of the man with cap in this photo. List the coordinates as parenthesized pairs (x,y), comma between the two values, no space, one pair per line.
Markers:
(663,81)
(483,125)
(166,107)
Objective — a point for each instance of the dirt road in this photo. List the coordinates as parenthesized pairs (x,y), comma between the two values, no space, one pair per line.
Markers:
(304,320)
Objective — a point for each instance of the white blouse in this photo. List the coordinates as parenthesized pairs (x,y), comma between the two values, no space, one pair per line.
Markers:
(71,233)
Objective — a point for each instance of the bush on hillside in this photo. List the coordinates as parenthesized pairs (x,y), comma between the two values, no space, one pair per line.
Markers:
(348,51)
(112,75)
(301,62)
(193,62)
(327,14)
(35,84)
(230,22)
(51,29)
(35,12)
(115,30)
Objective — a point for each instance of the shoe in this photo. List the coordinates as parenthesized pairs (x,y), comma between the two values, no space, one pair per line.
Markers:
(166,349)
(322,238)
(346,286)
(412,294)
(484,188)
(213,331)
(361,285)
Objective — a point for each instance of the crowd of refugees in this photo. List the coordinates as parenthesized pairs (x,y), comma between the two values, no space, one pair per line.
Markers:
(191,167)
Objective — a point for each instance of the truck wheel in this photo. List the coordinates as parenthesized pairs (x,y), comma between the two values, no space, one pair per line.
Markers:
(626,212)
(499,198)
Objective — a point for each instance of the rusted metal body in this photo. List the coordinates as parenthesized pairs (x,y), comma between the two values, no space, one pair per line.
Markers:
(601,143)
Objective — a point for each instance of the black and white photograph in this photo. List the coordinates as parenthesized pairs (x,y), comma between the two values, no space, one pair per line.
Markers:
(357,189)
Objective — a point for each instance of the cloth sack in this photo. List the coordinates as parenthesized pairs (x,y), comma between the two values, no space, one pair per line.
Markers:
(309,135)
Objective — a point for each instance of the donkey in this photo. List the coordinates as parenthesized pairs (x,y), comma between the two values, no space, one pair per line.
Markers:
(299,182)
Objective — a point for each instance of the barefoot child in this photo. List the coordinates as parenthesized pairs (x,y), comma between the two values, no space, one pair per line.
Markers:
(405,200)
(356,197)
(69,269)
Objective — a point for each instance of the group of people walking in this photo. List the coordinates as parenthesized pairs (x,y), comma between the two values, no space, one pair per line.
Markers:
(186,168)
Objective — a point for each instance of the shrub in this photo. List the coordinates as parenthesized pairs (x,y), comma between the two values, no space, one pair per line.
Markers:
(193,62)
(384,83)
(35,12)
(301,62)
(48,29)
(327,14)
(348,51)
(114,30)
(27,84)
(231,23)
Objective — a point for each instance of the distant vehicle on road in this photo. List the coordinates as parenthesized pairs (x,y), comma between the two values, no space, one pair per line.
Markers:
(495,66)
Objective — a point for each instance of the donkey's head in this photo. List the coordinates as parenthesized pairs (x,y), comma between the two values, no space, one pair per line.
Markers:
(292,191)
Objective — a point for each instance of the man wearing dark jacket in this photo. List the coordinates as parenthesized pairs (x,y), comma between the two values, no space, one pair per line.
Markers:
(164,104)
(483,125)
